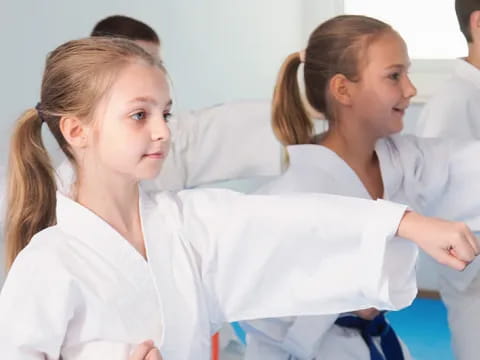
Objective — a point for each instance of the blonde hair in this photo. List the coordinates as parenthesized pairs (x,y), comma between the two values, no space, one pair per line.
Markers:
(334,47)
(77,74)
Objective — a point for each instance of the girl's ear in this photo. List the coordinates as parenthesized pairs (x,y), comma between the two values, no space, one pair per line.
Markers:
(74,131)
(339,88)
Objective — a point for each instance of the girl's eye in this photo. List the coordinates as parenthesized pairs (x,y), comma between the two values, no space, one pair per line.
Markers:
(394,76)
(167,116)
(138,115)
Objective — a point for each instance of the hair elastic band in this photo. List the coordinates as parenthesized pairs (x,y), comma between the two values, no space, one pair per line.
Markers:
(39,111)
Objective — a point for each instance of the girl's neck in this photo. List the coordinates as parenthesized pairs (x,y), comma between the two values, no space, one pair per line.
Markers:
(352,145)
(357,149)
(116,202)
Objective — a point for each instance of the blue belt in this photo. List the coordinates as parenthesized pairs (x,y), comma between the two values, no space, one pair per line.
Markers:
(376,327)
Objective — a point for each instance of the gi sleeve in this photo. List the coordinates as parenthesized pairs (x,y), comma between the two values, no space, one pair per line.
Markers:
(298,254)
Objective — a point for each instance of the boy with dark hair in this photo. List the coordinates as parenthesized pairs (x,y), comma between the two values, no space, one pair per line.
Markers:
(129,28)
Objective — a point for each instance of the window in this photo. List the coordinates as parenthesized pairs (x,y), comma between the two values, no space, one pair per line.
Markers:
(427,36)
(430,30)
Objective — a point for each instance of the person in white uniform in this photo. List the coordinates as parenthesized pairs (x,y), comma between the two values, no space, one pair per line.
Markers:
(454,112)
(104,265)
(355,72)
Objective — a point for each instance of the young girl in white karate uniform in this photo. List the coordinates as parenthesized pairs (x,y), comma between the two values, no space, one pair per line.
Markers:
(355,72)
(104,265)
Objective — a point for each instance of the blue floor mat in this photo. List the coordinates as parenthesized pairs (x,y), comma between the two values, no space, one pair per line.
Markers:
(424,328)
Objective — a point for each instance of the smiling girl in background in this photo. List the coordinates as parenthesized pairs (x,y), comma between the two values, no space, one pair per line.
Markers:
(356,73)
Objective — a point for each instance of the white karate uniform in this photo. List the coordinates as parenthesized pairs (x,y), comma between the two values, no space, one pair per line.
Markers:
(417,172)
(79,290)
(454,112)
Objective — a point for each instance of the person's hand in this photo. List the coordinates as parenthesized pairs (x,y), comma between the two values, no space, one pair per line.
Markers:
(450,243)
(367,314)
(146,351)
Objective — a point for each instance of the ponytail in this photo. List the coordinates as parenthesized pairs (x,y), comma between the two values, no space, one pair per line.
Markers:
(31,186)
(290,121)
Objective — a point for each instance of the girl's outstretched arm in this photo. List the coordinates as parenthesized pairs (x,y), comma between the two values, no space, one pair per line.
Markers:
(311,254)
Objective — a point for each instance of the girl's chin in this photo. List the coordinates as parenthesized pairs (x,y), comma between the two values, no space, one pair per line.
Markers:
(150,174)
(396,128)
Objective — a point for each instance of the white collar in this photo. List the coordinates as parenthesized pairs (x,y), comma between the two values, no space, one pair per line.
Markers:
(85,226)
(317,157)
(467,72)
